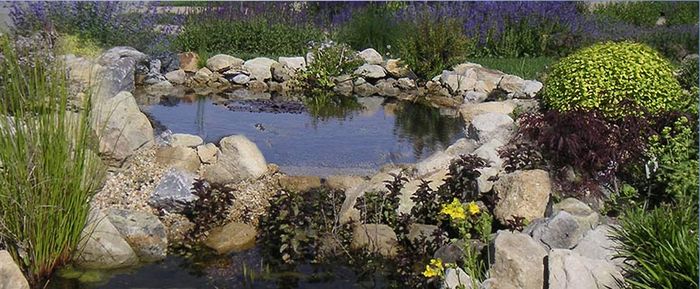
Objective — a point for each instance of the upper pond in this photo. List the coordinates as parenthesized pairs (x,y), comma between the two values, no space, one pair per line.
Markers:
(345,137)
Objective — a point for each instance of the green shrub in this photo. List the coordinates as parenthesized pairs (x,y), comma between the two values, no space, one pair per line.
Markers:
(433,45)
(79,46)
(662,244)
(645,13)
(255,37)
(48,170)
(605,75)
(688,73)
(675,153)
(329,60)
(373,27)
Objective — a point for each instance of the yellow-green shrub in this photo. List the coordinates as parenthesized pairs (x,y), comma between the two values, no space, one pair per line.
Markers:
(605,75)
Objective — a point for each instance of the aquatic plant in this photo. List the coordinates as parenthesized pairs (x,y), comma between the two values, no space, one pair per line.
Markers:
(211,208)
(50,166)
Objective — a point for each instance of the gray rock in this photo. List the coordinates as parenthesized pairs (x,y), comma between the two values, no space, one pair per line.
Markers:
(153,78)
(233,237)
(406,83)
(241,79)
(293,63)
(377,238)
(102,246)
(185,140)
(523,194)
(475,96)
(490,125)
(154,66)
(174,192)
(458,83)
(143,231)
(483,182)
(223,62)
(279,72)
(181,157)
(364,89)
(456,278)
(453,252)
(239,159)
(11,276)
(259,68)
(531,88)
(120,67)
(489,152)
(417,231)
(162,88)
(438,160)
(371,56)
(569,270)
(518,88)
(562,231)
(121,127)
(343,85)
(469,110)
(176,76)
(518,262)
(598,244)
(584,215)
(372,71)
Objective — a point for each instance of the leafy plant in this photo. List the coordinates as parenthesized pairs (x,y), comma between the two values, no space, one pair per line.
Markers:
(427,204)
(661,244)
(371,27)
(521,156)
(434,44)
(211,208)
(49,169)
(646,13)
(329,60)
(517,223)
(606,75)
(380,207)
(461,179)
(688,73)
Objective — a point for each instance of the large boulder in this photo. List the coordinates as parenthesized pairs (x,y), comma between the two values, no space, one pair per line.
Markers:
(562,231)
(569,270)
(11,276)
(239,159)
(180,157)
(174,192)
(223,62)
(102,246)
(518,262)
(233,237)
(377,238)
(370,71)
(490,125)
(598,244)
(371,56)
(143,231)
(120,68)
(121,127)
(259,68)
(458,83)
(523,194)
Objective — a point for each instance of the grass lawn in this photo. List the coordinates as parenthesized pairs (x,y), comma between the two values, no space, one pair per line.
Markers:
(527,68)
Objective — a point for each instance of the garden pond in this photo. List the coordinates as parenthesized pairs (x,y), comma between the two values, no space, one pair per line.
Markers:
(351,136)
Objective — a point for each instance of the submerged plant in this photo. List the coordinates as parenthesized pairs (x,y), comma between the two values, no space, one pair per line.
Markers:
(50,167)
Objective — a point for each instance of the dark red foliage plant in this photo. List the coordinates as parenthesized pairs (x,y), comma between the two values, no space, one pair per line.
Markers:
(587,141)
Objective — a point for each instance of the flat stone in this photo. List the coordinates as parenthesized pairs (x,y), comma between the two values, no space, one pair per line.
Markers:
(176,76)
(203,75)
(472,97)
(371,56)
(143,231)
(178,157)
(259,68)
(185,140)
(102,246)
(223,62)
(371,71)
(11,276)
(377,238)
(241,79)
(174,192)
(469,111)
(523,194)
(161,88)
(293,63)
(233,237)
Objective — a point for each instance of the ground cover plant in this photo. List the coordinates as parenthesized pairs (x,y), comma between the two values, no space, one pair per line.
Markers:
(50,168)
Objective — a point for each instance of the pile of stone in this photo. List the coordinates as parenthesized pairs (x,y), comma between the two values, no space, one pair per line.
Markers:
(465,83)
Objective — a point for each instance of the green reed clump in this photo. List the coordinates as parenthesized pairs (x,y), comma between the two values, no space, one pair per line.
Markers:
(48,168)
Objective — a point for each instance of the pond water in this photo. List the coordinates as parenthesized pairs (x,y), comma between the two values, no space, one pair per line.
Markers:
(237,270)
(356,138)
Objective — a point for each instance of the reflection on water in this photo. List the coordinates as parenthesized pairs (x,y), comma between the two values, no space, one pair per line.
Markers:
(333,136)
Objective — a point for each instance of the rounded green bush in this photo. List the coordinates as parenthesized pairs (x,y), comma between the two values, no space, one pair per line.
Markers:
(605,75)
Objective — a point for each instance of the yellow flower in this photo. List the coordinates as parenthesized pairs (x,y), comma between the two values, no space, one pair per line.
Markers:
(435,268)
(473,208)
(455,210)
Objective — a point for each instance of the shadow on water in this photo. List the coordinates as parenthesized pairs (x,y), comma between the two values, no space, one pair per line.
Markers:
(321,136)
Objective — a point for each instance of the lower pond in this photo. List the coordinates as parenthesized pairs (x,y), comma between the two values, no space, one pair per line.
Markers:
(344,137)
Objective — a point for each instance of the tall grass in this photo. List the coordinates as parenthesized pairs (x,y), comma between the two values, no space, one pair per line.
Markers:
(48,168)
